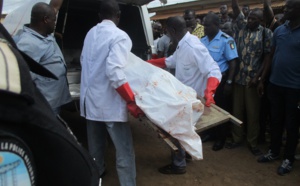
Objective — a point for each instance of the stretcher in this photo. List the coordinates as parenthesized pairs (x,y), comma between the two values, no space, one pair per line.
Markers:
(212,117)
(171,107)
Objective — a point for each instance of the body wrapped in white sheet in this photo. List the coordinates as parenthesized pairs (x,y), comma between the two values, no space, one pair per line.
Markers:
(166,102)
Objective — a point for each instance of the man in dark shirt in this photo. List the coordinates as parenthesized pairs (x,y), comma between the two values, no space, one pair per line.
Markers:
(254,46)
(284,88)
(224,14)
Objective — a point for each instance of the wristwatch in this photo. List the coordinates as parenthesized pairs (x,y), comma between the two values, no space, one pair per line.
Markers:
(229,82)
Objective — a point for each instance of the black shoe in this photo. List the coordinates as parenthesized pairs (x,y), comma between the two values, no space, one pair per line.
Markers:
(218,145)
(232,145)
(255,151)
(267,157)
(285,167)
(172,169)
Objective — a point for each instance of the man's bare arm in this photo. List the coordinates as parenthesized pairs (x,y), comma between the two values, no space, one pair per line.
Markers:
(268,12)
(56,4)
(235,8)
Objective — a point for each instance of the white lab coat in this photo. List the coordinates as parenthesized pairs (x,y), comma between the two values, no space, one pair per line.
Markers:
(104,56)
(193,64)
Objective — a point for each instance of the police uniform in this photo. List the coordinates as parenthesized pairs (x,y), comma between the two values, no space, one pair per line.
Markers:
(222,48)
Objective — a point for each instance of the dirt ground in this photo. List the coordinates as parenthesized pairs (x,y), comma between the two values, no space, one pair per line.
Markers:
(232,167)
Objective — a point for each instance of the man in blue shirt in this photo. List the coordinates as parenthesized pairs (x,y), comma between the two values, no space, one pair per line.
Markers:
(222,48)
(284,88)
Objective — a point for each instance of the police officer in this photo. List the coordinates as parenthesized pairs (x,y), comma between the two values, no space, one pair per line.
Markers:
(222,48)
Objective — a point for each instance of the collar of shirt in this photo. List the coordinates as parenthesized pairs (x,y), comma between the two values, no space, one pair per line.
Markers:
(217,37)
(187,35)
(287,25)
(108,22)
(50,37)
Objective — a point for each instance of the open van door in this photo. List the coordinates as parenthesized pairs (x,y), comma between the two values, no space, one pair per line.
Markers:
(77,17)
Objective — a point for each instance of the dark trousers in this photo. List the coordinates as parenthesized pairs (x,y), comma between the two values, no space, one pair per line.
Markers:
(225,102)
(285,115)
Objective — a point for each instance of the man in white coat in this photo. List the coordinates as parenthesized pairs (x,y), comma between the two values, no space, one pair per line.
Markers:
(194,67)
(106,95)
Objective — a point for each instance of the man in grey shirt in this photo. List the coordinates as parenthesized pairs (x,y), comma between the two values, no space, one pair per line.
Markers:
(163,46)
(38,42)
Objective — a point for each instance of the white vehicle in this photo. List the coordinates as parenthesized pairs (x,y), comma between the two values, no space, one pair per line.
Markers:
(77,17)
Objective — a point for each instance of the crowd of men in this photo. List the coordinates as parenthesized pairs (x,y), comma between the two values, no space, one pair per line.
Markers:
(260,76)
(232,62)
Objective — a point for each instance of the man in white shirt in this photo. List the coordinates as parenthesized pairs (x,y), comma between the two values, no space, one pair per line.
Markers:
(195,68)
(106,95)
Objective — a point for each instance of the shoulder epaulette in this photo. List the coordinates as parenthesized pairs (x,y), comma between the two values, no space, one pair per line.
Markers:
(225,35)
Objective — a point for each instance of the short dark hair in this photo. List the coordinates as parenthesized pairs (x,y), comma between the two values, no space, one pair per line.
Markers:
(109,9)
(214,18)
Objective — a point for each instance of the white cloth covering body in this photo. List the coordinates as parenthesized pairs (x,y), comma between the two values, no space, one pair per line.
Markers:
(166,102)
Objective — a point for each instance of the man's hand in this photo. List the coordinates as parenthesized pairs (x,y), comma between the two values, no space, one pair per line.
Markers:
(159,62)
(56,4)
(127,94)
(134,110)
(212,84)
(253,82)
(260,88)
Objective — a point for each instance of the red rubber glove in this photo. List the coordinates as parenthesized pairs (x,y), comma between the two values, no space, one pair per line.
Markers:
(127,94)
(212,85)
(160,62)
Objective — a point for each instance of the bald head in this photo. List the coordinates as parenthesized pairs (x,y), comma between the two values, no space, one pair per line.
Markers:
(43,18)
(176,27)
(177,23)
(39,11)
